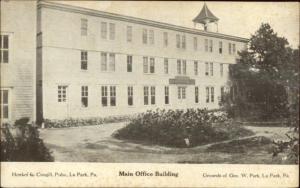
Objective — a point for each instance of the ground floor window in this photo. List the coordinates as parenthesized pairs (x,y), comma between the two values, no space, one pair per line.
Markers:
(222,94)
(212,94)
(112,95)
(130,95)
(196,94)
(4,101)
(166,95)
(207,94)
(84,96)
(152,95)
(146,95)
(62,93)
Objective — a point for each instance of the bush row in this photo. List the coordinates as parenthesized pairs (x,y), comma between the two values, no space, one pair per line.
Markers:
(75,122)
(175,127)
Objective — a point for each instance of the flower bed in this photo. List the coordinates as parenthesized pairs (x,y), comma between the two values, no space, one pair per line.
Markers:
(181,128)
(75,122)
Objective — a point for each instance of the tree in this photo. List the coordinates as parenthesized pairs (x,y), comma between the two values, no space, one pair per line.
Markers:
(266,76)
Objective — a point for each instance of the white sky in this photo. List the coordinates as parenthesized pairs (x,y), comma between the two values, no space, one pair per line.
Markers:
(236,18)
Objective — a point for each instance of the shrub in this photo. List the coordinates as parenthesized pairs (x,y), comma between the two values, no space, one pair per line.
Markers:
(76,122)
(21,142)
(174,127)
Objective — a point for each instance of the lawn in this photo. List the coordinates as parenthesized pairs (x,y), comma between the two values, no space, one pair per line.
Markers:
(96,144)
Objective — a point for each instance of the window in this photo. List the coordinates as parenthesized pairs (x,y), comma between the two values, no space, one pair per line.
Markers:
(184,67)
(178,66)
(129,63)
(145,36)
(196,94)
(129,33)
(181,93)
(210,45)
(84,60)
(146,95)
(233,49)
(220,47)
(221,69)
(211,69)
(152,95)
(195,43)
(145,64)
(130,95)
(4,41)
(207,94)
(112,31)
(166,39)
(166,95)
(112,63)
(112,95)
(103,61)
(103,30)
(229,48)
(62,94)
(222,94)
(206,45)
(166,66)
(151,36)
(84,96)
(206,68)
(196,67)
(84,25)
(183,42)
(104,95)
(212,94)
(4,102)
(177,40)
(152,65)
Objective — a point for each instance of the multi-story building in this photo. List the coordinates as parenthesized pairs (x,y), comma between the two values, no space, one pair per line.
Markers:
(93,63)
(17,59)
(90,63)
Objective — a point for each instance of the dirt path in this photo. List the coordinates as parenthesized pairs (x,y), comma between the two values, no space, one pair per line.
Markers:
(95,144)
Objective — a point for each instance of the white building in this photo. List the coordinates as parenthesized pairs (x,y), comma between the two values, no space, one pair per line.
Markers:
(95,64)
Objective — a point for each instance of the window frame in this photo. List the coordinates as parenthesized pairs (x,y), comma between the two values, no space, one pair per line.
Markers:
(62,93)
(112,31)
(129,33)
(196,68)
(104,58)
(167,95)
(84,27)
(104,96)
(104,30)
(84,95)
(84,60)
(166,65)
(129,63)
(4,50)
(196,94)
(7,105)
(113,95)
(130,96)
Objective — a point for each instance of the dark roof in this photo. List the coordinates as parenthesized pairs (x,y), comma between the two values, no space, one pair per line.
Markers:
(205,14)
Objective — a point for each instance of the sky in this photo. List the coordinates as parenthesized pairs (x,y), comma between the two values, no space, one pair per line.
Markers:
(236,18)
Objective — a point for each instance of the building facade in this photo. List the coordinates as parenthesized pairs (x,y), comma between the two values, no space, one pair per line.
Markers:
(17,60)
(97,64)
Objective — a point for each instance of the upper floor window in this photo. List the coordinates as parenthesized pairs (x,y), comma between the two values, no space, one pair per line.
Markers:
(211,69)
(84,60)
(178,66)
(181,66)
(4,48)
(112,31)
(145,64)
(206,69)
(184,67)
(165,35)
(195,43)
(220,47)
(103,30)
(152,65)
(145,36)
(233,49)
(112,63)
(129,63)
(84,26)
(196,94)
(206,45)
(183,42)
(178,41)
(221,69)
(62,93)
(129,33)
(211,45)
(222,94)
(229,48)
(166,65)
(151,36)
(84,96)
(196,67)
(4,104)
